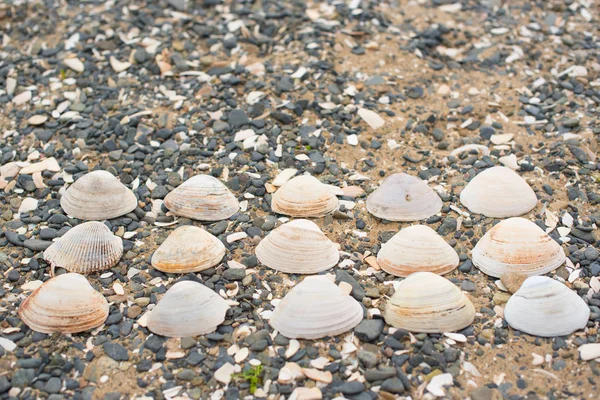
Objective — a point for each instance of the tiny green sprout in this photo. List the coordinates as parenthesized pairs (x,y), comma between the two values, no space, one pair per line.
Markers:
(63,74)
(252,376)
(308,148)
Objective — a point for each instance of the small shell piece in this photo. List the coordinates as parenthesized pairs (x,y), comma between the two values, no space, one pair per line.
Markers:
(97,196)
(298,247)
(498,192)
(203,198)
(518,246)
(316,308)
(403,197)
(188,249)
(66,304)
(414,249)
(87,248)
(187,309)
(546,307)
(304,197)
(426,302)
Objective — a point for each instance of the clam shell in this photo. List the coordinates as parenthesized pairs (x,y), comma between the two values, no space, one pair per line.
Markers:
(96,196)
(87,248)
(203,198)
(518,246)
(188,249)
(316,308)
(298,247)
(66,304)
(304,196)
(546,307)
(498,192)
(426,302)
(415,249)
(403,197)
(187,309)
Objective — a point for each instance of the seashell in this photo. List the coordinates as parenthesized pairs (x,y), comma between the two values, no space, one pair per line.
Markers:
(403,197)
(546,307)
(298,247)
(304,196)
(187,309)
(426,302)
(188,249)
(517,245)
(316,308)
(414,249)
(66,304)
(87,248)
(98,195)
(498,192)
(203,198)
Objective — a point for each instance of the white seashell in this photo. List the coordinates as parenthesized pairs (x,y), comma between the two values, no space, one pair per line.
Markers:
(316,308)
(546,307)
(426,302)
(517,245)
(187,309)
(119,66)
(87,248)
(498,192)
(589,351)
(403,197)
(74,63)
(305,197)
(298,247)
(414,249)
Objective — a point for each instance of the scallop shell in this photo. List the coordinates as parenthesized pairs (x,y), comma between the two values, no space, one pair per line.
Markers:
(403,197)
(187,309)
(414,249)
(426,302)
(203,198)
(517,245)
(97,196)
(546,307)
(305,197)
(498,192)
(188,249)
(298,247)
(316,308)
(66,304)
(87,248)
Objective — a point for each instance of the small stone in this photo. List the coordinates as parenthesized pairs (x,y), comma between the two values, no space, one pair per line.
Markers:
(393,385)
(513,281)
(369,329)
(234,274)
(116,351)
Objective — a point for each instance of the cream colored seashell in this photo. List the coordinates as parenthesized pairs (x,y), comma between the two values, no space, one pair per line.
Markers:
(415,249)
(187,309)
(498,192)
(426,302)
(546,307)
(98,195)
(304,197)
(203,198)
(316,308)
(403,197)
(298,247)
(66,304)
(87,248)
(517,245)
(188,249)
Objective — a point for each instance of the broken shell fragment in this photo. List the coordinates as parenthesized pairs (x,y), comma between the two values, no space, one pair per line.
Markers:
(305,197)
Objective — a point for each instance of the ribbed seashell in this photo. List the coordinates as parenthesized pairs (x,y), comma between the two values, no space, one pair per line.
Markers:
(86,248)
(187,309)
(518,246)
(96,196)
(546,307)
(316,308)
(498,192)
(203,198)
(66,304)
(414,249)
(298,247)
(403,197)
(304,197)
(426,302)
(188,249)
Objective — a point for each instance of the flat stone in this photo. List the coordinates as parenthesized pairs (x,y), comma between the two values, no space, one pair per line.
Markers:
(369,329)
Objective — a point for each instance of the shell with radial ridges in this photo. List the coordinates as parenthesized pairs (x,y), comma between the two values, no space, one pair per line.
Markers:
(304,197)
